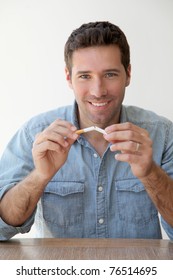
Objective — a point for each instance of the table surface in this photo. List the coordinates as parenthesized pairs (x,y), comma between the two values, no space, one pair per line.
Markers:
(86,249)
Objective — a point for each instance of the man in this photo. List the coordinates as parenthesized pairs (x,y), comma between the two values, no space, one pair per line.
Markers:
(92,185)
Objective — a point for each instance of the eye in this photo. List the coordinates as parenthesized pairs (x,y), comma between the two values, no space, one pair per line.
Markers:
(111,75)
(84,76)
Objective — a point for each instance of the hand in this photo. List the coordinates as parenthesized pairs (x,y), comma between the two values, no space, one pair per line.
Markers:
(135,146)
(51,147)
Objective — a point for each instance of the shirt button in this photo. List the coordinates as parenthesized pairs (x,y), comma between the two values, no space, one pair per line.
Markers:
(95,155)
(100,188)
(101,221)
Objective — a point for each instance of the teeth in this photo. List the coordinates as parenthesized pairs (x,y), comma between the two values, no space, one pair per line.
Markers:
(99,104)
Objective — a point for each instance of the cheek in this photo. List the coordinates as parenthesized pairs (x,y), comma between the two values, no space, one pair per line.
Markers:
(115,89)
(80,90)
(119,86)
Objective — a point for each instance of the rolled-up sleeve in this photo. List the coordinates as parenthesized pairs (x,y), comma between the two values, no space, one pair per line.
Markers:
(7,231)
(15,164)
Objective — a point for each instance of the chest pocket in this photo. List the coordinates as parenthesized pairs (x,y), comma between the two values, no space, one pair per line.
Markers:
(63,203)
(133,203)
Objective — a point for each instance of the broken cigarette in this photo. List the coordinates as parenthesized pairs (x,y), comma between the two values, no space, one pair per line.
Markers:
(91,128)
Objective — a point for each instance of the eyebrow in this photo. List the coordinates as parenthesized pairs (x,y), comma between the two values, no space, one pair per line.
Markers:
(104,71)
(112,70)
(83,72)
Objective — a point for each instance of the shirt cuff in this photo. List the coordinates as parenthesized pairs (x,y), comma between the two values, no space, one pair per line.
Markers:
(7,231)
(168,229)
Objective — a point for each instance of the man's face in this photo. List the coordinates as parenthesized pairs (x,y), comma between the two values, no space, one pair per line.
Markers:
(98,80)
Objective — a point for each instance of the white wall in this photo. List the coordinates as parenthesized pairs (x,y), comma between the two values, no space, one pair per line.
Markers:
(32,37)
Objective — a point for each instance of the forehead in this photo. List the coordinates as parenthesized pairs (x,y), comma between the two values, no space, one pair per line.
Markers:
(97,54)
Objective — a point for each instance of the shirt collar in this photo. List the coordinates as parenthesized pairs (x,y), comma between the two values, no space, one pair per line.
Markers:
(123,115)
(74,116)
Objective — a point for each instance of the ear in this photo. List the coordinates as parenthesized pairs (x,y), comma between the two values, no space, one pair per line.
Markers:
(128,78)
(68,77)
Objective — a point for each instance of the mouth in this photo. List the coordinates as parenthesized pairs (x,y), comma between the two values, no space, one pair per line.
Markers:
(99,104)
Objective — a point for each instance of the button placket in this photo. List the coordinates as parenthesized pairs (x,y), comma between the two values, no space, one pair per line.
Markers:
(101,225)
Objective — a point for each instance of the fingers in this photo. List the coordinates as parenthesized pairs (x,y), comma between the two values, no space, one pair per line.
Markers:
(58,132)
(124,126)
(127,137)
(135,145)
(49,145)
(59,136)
(127,146)
(125,131)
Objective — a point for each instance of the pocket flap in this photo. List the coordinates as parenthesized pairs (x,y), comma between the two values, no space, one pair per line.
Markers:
(131,185)
(64,188)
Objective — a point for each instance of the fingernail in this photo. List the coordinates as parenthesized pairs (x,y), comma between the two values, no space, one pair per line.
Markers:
(107,130)
(73,128)
(75,136)
(66,144)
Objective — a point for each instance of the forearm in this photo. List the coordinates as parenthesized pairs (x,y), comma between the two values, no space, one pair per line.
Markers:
(50,151)
(160,188)
(19,202)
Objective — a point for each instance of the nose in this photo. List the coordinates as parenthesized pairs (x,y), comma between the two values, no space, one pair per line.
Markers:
(98,88)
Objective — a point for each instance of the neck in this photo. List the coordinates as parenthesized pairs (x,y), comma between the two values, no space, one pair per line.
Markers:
(97,140)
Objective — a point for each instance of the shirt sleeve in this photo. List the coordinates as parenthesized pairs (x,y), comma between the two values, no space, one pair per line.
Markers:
(167,157)
(168,229)
(167,165)
(15,164)
(7,231)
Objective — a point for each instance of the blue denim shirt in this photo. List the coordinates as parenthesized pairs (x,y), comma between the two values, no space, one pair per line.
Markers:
(90,196)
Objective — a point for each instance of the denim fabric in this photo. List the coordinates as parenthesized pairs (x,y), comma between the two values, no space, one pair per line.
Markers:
(90,196)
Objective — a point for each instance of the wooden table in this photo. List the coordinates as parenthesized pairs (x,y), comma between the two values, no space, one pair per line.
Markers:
(85,249)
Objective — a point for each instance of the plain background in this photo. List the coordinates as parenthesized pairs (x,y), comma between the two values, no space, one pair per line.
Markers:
(32,38)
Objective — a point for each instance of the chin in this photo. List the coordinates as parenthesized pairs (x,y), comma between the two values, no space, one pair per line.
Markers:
(101,122)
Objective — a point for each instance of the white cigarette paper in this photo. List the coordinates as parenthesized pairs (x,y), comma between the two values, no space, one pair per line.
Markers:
(100,130)
(91,128)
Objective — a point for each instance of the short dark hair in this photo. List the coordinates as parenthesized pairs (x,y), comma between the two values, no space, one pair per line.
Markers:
(99,33)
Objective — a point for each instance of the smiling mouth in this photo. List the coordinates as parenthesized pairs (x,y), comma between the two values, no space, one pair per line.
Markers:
(101,104)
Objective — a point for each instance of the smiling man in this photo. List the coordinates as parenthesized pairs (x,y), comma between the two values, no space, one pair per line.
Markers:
(98,79)
(92,185)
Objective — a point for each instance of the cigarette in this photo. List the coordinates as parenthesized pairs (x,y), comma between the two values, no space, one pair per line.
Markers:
(91,128)
(87,129)
(100,130)
(80,131)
